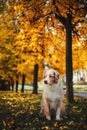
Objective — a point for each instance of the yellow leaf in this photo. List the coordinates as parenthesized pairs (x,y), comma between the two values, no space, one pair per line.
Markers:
(4,123)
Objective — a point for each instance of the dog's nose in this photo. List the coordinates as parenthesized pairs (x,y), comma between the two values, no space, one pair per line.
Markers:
(45,81)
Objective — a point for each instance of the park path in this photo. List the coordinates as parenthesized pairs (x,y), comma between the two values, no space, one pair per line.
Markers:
(81,94)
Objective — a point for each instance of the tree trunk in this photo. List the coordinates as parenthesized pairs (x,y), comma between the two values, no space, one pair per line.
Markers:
(69,70)
(16,83)
(2,83)
(23,83)
(12,84)
(35,82)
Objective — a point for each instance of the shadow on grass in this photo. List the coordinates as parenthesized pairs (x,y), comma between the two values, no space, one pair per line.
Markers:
(21,112)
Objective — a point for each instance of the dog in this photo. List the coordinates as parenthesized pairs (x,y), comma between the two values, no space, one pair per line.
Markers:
(52,96)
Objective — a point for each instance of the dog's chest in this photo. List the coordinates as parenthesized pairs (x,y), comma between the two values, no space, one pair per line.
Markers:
(52,93)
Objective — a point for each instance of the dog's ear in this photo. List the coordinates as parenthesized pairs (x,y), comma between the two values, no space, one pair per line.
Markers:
(44,73)
(56,77)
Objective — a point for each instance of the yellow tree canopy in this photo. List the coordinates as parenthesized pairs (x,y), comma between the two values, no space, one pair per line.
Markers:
(38,36)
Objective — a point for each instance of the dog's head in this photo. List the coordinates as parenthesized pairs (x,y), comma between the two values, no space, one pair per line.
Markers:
(51,76)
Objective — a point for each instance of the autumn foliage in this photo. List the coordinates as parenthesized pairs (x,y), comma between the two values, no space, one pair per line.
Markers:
(31,34)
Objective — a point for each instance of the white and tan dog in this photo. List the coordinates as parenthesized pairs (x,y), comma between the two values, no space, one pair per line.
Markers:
(53,95)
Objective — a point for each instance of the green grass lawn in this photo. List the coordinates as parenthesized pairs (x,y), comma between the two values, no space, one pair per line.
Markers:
(77,88)
(21,112)
(80,88)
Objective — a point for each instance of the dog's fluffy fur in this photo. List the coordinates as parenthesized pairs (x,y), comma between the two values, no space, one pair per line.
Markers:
(53,95)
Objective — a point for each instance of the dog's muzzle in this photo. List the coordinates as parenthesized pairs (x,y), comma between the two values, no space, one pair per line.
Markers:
(45,81)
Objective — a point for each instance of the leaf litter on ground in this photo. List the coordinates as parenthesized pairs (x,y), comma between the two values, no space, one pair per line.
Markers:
(20,111)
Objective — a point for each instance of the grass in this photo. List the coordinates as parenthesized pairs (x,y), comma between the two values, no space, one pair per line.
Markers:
(80,88)
(77,88)
(21,112)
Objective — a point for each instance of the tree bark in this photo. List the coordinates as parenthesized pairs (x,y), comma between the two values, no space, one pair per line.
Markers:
(23,82)
(69,70)
(12,85)
(35,82)
(2,83)
(16,83)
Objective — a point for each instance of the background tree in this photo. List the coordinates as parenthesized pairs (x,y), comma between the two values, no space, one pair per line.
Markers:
(67,13)
(8,56)
(23,82)
(35,82)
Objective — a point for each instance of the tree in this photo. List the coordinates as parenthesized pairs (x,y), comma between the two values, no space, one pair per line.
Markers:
(17,82)
(8,55)
(35,85)
(69,13)
(23,82)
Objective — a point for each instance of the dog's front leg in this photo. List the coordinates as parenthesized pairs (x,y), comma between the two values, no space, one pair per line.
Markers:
(47,109)
(58,113)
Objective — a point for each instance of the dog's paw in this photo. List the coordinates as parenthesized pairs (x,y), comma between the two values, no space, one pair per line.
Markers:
(41,114)
(57,117)
(48,118)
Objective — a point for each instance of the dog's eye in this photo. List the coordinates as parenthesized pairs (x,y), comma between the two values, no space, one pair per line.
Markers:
(57,76)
